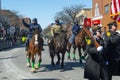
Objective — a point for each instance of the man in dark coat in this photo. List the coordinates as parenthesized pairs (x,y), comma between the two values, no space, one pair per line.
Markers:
(112,45)
(32,26)
(95,68)
(75,30)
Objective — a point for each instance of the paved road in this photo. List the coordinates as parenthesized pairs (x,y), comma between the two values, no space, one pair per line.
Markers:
(13,67)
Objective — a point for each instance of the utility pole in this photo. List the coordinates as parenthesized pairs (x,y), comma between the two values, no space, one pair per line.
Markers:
(0,6)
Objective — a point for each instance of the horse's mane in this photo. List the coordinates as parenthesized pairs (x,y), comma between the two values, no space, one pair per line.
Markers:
(80,37)
(61,40)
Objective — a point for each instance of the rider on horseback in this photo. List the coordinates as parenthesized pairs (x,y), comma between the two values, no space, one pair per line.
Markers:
(75,30)
(56,28)
(32,26)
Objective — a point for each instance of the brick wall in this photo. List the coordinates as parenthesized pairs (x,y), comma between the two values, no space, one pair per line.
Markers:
(106,17)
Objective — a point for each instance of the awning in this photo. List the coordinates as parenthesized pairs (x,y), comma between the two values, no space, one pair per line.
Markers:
(115,10)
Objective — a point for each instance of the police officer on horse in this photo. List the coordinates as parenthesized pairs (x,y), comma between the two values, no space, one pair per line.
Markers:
(32,26)
(75,30)
(57,27)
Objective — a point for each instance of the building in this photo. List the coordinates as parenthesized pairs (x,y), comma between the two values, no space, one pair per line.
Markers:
(86,12)
(101,11)
(11,16)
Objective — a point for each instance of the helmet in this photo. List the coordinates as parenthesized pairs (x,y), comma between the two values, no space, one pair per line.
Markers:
(34,20)
(76,21)
(112,24)
(57,21)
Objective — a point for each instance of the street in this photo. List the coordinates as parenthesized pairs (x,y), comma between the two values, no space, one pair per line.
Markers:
(13,67)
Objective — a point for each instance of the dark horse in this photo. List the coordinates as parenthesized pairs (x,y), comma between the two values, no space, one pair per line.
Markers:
(79,43)
(35,48)
(57,46)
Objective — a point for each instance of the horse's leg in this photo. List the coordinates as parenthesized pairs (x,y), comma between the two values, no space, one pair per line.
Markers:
(58,56)
(85,53)
(33,62)
(80,55)
(28,59)
(69,48)
(52,54)
(39,60)
(74,54)
(62,63)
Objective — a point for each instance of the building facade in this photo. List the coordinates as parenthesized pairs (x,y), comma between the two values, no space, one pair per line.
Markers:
(86,12)
(104,7)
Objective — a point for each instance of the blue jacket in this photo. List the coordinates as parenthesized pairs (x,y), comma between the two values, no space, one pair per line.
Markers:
(32,26)
(75,29)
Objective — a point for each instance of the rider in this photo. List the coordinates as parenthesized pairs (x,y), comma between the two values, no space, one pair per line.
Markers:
(75,30)
(31,27)
(56,28)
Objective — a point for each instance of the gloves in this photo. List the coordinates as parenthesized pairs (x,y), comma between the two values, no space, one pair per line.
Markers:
(74,32)
(106,62)
(100,49)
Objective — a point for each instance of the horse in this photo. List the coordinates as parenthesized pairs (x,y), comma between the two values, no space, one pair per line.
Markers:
(56,46)
(80,42)
(35,48)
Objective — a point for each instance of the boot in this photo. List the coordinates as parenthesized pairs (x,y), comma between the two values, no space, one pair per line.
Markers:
(42,44)
(73,44)
(27,46)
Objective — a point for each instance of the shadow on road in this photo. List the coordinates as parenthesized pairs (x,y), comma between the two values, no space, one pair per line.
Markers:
(8,57)
(67,66)
(40,79)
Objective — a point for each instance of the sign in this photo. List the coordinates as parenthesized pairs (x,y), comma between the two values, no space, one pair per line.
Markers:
(95,22)
(87,22)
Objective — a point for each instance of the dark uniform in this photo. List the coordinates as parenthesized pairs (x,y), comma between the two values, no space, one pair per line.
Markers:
(112,45)
(32,27)
(95,68)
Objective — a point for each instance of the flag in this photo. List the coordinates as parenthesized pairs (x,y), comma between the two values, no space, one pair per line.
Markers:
(115,10)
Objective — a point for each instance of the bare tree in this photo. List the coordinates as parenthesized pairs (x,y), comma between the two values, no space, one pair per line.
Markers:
(68,14)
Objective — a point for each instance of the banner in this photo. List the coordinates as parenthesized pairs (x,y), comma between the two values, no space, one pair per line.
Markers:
(115,10)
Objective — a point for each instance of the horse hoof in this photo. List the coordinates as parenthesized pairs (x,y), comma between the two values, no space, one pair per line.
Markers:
(37,67)
(74,59)
(53,64)
(69,58)
(62,66)
(28,65)
(33,70)
(58,63)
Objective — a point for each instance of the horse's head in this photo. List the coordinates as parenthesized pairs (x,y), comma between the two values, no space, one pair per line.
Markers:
(80,38)
(36,37)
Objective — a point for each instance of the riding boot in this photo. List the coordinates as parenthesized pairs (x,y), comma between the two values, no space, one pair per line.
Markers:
(73,42)
(42,44)
(27,45)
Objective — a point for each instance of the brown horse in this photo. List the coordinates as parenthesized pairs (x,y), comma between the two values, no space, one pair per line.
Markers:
(57,46)
(79,43)
(35,48)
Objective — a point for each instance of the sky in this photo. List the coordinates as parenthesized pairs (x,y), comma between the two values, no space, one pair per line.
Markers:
(43,10)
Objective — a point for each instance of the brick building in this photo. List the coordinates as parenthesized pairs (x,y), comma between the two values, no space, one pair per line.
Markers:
(104,11)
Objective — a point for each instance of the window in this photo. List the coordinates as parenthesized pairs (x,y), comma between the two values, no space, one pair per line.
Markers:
(106,9)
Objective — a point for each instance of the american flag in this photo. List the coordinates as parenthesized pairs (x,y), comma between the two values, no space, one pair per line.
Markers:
(115,10)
